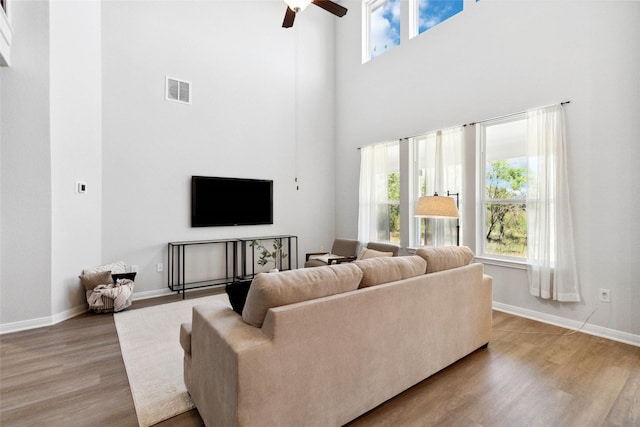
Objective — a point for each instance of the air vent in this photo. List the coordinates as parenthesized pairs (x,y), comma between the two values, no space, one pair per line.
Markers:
(178,90)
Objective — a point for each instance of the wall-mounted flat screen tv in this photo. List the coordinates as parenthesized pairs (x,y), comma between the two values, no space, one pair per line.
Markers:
(218,201)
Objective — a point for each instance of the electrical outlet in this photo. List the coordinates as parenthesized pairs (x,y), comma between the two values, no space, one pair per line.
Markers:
(81,187)
(159,267)
(604,295)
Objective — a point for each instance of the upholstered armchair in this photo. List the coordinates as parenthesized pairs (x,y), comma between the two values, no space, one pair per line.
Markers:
(383,247)
(342,249)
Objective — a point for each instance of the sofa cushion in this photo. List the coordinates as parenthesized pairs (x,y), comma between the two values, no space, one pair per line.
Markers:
(446,257)
(367,253)
(91,280)
(270,290)
(389,269)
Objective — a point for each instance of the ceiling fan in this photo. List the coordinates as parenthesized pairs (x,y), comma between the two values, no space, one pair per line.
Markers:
(295,6)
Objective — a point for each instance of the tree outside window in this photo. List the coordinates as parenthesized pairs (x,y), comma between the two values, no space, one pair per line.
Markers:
(379,199)
(505,193)
(506,220)
(392,233)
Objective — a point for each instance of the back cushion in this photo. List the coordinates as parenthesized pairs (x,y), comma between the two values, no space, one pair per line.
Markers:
(389,269)
(270,290)
(367,253)
(446,257)
(345,247)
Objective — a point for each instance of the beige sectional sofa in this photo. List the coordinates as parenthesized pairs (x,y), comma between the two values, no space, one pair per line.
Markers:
(321,346)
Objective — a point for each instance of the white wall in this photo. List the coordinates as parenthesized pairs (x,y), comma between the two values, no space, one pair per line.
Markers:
(242,66)
(500,57)
(76,149)
(96,113)
(494,58)
(25,291)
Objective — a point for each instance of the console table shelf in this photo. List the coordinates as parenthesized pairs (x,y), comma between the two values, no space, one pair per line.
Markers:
(237,264)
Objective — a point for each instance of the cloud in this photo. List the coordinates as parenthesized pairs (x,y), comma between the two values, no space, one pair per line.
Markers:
(385,27)
(431,13)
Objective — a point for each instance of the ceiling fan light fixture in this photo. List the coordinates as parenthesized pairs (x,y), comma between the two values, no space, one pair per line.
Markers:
(297,5)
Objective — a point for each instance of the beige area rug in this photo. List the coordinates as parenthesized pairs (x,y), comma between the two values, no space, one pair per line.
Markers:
(150,344)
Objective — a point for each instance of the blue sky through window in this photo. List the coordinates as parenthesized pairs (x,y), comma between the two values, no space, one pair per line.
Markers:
(385,27)
(433,12)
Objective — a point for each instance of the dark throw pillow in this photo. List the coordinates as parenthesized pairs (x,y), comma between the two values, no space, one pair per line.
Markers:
(130,276)
(237,292)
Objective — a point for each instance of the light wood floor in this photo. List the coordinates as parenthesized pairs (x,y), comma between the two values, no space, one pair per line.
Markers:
(72,374)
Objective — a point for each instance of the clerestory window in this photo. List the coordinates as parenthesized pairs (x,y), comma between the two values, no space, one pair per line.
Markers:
(381,27)
(426,14)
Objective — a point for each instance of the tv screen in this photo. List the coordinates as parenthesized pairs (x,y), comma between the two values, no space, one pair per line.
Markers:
(217,201)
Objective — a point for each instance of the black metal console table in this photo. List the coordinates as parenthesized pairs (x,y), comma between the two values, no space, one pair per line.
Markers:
(236,260)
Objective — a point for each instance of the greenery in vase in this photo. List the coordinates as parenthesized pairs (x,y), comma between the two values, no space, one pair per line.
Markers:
(266,256)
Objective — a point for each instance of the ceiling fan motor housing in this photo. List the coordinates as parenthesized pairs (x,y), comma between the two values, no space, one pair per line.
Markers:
(295,6)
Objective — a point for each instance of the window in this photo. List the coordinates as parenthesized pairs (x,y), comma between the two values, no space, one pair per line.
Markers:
(436,160)
(394,175)
(522,202)
(379,209)
(381,27)
(427,14)
(503,168)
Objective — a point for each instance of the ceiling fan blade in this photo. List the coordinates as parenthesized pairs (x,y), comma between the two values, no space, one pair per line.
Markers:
(289,17)
(331,7)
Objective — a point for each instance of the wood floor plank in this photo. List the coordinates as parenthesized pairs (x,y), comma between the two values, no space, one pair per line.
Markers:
(531,374)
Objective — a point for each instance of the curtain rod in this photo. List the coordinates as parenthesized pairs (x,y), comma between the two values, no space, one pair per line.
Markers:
(479,121)
(513,114)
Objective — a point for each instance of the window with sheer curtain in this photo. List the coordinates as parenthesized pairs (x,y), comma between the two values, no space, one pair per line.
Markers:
(503,197)
(437,168)
(551,252)
(525,212)
(379,204)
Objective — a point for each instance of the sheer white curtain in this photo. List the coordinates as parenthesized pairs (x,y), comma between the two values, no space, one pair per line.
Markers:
(443,160)
(375,166)
(550,246)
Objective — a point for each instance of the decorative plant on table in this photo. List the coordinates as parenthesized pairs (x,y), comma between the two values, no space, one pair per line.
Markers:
(266,256)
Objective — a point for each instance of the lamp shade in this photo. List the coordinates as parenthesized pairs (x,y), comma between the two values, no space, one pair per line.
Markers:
(436,206)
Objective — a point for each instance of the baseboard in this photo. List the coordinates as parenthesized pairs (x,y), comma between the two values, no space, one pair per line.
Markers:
(151,294)
(40,322)
(599,331)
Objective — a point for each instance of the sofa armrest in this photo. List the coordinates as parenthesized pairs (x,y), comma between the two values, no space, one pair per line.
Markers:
(345,259)
(185,337)
(228,328)
(309,254)
(220,340)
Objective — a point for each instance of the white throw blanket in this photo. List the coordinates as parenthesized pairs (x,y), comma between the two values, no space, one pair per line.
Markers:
(120,292)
